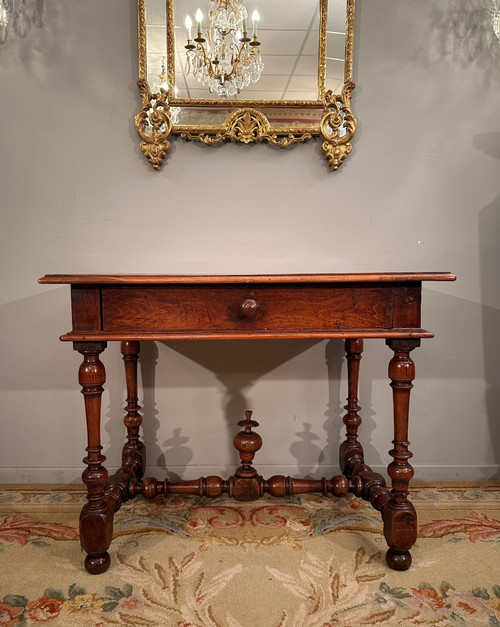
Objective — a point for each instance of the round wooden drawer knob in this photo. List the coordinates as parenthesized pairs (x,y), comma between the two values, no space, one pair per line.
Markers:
(249,309)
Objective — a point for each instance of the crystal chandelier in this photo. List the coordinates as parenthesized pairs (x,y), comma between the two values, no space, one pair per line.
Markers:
(15,13)
(224,58)
(495,18)
(161,82)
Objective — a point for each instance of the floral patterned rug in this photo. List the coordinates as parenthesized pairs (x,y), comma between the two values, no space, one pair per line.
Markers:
(304,561)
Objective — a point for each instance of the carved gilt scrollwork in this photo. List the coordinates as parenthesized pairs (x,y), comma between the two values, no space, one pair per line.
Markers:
(153,124)
(279,122)
(246,126)
(338,126)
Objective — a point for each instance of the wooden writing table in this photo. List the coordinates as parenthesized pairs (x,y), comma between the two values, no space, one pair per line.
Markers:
(132,308)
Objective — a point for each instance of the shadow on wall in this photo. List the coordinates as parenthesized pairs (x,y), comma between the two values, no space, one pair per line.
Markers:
(113,416)
(461,31)
(34,359)
(334,426)
(238,366)
(489,250)
(489,143)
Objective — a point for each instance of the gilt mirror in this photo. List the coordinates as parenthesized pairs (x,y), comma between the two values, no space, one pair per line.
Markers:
(277,71)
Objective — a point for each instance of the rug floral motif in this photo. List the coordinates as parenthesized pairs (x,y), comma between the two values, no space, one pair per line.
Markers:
(304,561)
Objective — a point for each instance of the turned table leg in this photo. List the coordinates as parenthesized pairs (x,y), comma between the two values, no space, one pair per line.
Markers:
(134,452)
(351,451)
(96,518)
(399,516)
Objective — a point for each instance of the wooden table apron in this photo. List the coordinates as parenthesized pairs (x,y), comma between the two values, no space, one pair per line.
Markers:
(132,308)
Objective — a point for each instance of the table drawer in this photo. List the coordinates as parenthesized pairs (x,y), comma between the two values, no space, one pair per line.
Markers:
(259,307)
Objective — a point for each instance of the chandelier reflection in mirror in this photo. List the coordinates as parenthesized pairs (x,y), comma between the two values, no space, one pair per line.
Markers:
(161,82)
(224,57)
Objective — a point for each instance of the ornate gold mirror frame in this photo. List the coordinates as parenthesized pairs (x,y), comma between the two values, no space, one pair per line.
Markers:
(240,120)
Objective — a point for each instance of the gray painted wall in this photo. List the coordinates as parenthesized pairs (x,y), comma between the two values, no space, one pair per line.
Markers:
(420,191)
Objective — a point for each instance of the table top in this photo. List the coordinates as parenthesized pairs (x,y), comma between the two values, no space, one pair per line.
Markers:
(140,306)
(159,279)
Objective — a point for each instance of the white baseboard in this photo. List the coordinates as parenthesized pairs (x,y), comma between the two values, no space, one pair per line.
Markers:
(422,473)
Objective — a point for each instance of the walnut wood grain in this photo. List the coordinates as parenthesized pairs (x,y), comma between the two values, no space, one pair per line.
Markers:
(131,308)
(96,518)
(277,334)
(134,451)
(245,488)
(278,307)
(400,518)
(129,279)
(351,451)
(86,307)
(176,307)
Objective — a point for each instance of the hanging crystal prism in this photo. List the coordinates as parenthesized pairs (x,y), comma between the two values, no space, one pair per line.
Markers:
(4,21)
(22,24)
(495,17)
(4,13)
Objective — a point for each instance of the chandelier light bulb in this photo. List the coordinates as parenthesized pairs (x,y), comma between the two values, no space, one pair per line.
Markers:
(199,20)
(255,21)
(188,23)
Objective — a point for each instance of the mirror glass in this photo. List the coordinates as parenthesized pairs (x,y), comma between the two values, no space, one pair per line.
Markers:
(289,34)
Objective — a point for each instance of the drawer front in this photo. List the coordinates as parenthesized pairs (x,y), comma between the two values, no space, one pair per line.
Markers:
(257,307)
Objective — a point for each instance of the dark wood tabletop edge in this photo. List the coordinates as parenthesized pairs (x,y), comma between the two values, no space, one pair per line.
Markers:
(155,279)
(104,336)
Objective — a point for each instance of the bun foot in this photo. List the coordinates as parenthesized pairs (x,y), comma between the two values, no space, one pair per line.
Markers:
(97,565)
(398,560)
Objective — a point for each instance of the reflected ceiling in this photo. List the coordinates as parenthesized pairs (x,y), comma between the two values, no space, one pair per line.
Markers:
(289,36)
